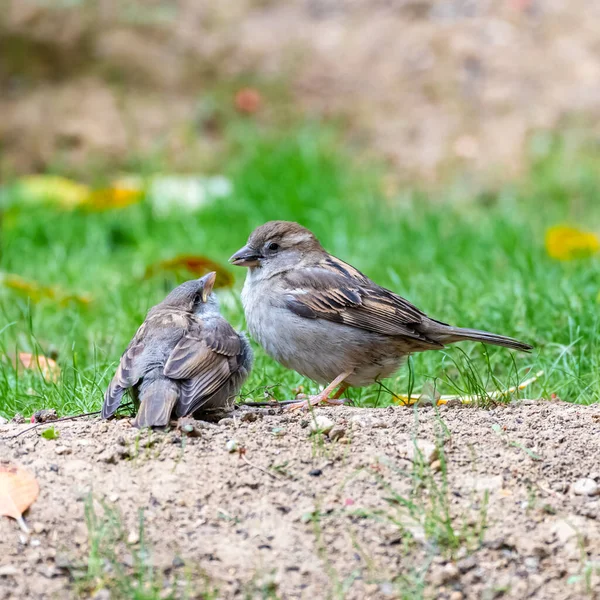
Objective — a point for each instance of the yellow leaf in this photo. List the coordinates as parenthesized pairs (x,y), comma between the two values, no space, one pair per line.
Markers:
(18,491)
(567,243)
(37,291)
(48,367)
(112,198)
(54,190)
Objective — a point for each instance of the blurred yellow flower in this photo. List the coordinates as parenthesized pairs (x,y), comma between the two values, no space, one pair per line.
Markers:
(567,243)
(111,198)
(52,189)
(37,291)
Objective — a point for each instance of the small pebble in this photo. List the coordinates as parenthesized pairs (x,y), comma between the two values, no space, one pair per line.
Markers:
(226,422)
(249,416)
(62,450)
(8,571)
(321,424)
(445,574)
(585,487)
(39,527)
(532,563)
(337,432)
(560,486)
(108,456)
(466,564)
(315,472)
(456,595)
(232,446)
(421,450)
(133,537)
(178,562)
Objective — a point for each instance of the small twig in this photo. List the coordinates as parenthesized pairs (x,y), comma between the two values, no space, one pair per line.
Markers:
(250,464)
(49,423)
(268,403)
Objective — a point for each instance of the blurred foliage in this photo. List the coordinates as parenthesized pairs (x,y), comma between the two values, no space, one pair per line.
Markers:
(481,263)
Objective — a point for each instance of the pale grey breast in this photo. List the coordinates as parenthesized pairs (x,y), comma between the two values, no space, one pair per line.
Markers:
(318,349)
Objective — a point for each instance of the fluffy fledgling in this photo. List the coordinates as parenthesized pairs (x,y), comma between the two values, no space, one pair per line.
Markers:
(185,358)
(321,317)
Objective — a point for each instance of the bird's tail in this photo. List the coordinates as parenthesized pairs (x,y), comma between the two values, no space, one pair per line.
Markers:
(112,398)
(458,334)
(158,396)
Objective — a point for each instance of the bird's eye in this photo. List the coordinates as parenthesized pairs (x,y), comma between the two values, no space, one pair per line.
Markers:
(273,247)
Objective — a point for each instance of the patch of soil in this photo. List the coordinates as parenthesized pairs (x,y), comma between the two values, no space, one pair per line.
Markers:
(312,517)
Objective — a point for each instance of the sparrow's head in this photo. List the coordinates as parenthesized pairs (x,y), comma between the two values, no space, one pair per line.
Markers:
(195,296)
(276,242)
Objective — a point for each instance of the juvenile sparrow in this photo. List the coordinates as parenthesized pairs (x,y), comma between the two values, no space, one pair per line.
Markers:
(324,319)
(185,357)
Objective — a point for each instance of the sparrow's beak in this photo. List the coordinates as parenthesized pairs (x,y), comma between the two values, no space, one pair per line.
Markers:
(208,283)
(246,257)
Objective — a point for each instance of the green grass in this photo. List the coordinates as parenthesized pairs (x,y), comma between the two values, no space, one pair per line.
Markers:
(466,258)
(122,565)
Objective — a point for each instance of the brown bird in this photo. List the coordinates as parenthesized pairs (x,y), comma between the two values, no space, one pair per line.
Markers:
(185,357)
(321,317)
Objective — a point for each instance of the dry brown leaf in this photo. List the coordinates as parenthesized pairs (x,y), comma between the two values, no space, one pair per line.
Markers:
(18,491)
(48,367)
(184,265)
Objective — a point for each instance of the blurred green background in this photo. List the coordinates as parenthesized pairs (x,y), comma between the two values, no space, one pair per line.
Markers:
(419,176)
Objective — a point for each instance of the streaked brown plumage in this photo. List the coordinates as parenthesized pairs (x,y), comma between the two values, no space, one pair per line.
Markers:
(185,358)
(320,316)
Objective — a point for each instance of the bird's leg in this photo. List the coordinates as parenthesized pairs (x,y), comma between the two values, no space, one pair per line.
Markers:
(335,398)
(324,395)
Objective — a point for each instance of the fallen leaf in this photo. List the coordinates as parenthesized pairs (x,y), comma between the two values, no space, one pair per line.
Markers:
(50,434)
(37,291)
(248,100)
(18,491)
(52,189)
(112,198)
(568,243)
(46,366)
(183,266)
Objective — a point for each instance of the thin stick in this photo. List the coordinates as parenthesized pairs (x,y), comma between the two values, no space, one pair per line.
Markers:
(49,423)
(268,403)
(250,464)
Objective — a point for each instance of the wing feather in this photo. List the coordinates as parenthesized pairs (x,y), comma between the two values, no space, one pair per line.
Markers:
(338,292)
(203,361)
(128,373)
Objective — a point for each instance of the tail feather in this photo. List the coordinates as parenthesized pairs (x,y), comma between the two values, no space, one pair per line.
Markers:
(112,399)
(458,334)
(157,399)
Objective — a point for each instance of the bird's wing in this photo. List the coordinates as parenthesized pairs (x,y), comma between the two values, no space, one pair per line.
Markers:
(202,361)
(129,372)
(336,291)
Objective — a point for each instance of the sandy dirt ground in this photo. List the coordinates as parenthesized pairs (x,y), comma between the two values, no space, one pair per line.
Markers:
(460,503)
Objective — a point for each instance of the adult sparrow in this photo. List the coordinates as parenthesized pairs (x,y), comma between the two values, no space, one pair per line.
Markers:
(321,317)
(185,357)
